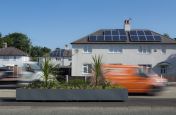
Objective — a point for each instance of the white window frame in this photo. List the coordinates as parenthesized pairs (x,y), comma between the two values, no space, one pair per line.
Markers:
(163,70)
(87,49)
(144,50)
(86,65)
(115,50)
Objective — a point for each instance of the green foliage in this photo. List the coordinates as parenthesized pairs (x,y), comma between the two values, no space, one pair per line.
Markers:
(73,84)
(47,71)
(42,85)
(18,40)
(166,35)
(97,73)
(22,42)
(58,73)
(37,51)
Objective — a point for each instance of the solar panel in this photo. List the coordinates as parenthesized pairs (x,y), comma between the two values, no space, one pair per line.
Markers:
(115,32)
(142,38)
(108,38)
(133,33)
(122,32)
(140,32)
(107,32)
(150,38)
(123,38)
(134,38)
(148,32)
(92,38)
(115,38)
(100,38)
(157,38)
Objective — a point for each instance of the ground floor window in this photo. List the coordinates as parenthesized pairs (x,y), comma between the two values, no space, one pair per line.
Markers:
(87,68)
(146,65)
(163,69)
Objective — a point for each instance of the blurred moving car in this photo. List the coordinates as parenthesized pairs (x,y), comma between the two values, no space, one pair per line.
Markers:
(136,79)
(30,72)
(5,71)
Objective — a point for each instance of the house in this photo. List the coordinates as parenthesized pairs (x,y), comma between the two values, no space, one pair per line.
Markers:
(142,47)
(61,56)
(12,56)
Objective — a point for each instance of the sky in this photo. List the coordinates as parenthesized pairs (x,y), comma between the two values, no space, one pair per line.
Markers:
(54,23)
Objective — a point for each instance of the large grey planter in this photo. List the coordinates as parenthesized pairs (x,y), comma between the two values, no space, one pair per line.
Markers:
(71,95)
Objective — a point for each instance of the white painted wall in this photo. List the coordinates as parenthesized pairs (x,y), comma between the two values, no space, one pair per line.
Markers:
(19,60)
(54,61)
(129,55)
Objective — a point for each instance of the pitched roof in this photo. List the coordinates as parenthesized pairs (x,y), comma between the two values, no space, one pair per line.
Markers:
(11,51)
(61,53)
(85,40)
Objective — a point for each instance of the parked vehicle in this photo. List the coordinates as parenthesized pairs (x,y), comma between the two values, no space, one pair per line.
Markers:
(135,78)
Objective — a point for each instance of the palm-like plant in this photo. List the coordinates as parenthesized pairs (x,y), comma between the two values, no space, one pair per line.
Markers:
(47,71)
(97,74)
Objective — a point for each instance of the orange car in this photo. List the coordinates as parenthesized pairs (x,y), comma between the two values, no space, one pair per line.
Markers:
(135,78)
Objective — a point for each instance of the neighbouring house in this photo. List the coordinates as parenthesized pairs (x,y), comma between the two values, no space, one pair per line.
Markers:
(12,56)
(142,47)
(63,57)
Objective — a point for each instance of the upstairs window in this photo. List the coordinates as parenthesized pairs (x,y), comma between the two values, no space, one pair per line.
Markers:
(144,50)
(87,49)
(115,50)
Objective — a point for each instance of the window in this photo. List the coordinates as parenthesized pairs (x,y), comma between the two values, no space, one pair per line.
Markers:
(87,49)
(115,50)
(163,69)
(144,50)
(145,65)
(87,68)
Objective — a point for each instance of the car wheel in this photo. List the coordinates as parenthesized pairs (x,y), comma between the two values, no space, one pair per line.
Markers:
(153,91)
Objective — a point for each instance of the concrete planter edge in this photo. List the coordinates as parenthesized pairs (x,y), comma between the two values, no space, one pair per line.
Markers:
(119,94)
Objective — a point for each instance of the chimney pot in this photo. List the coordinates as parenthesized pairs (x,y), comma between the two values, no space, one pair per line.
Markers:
(127,25)
(5,45)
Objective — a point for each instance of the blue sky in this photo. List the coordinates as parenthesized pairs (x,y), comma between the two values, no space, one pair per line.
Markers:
(54,23)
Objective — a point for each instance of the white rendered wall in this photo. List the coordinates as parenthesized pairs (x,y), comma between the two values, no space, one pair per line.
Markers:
(129,55)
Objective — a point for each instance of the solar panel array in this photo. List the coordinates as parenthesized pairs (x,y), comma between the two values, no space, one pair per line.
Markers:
(57,53)
(143,36)
(118,35)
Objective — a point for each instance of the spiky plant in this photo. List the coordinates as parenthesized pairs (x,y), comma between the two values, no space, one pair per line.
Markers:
(97,73)
(47,71)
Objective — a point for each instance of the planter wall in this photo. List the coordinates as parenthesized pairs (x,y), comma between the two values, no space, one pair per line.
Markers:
(71,95)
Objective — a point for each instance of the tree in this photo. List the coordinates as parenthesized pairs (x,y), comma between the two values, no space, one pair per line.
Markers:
(37,51)
(1,40)
(18,40)
(166,35)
